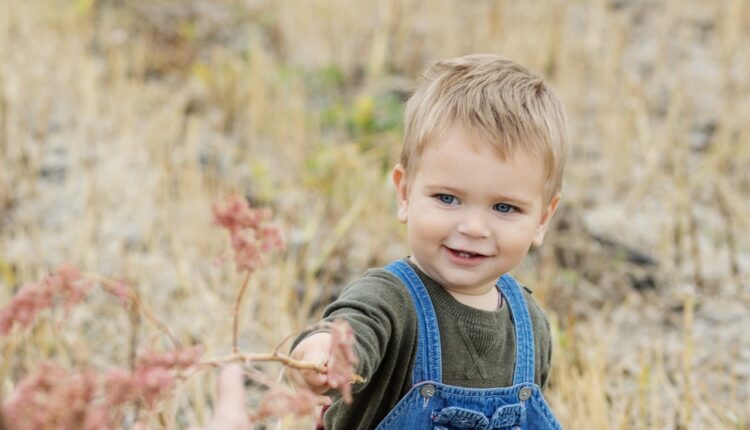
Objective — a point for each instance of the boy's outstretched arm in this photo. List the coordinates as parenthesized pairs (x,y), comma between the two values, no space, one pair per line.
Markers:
(379,309)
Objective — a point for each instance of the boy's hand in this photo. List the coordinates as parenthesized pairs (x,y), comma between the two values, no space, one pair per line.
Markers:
(313,349)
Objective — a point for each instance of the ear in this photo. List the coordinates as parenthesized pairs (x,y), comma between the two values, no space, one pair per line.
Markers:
(398,175)
(544,221)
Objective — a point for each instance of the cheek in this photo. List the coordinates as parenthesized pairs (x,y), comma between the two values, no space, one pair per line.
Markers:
(517,239)
(428,225)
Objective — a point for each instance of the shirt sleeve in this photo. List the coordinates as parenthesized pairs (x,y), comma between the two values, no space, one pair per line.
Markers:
(378,307)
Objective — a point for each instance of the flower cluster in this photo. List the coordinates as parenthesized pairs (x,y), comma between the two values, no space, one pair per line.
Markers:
(154,374)
(52,397)
(66,285)
(250,236)
(342,361)
(279,401)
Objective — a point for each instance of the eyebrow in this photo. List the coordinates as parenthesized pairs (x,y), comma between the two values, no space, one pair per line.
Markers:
(495,198)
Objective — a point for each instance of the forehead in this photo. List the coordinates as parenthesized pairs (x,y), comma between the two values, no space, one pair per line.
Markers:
(458,147)
(460,161)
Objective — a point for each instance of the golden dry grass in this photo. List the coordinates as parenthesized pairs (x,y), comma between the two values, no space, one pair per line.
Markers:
(120,123)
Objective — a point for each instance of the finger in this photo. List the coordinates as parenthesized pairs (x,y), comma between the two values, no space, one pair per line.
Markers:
(319,358)
(231,390)
(316,381)
(298,378)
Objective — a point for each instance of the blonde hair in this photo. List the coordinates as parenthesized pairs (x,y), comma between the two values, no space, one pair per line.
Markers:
(495,100)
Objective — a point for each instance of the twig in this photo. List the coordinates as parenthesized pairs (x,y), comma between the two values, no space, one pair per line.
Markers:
(695,250)
(110,285)
(135,325)
(283,359)
(687,359)
(726,214)
(286,338)
(236,315)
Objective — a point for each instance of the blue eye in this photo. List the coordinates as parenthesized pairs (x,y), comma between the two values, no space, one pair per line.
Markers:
(504,208)
(446,199)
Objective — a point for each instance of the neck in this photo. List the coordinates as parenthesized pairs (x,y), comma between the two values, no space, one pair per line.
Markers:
(488,301)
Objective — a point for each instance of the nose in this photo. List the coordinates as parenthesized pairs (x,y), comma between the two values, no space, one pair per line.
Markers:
(474,224)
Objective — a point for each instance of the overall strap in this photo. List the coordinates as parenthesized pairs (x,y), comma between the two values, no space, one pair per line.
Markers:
(524,372)
(428,364)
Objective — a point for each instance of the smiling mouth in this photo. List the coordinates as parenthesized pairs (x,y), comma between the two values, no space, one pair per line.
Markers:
(465,254)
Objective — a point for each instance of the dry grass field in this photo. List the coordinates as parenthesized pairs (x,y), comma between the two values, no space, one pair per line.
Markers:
(122,121)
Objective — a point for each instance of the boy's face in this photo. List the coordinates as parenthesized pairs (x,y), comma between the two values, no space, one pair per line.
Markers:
(470,215)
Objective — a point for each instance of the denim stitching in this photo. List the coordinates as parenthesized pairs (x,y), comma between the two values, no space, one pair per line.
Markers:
(544,410)
(394,413)
(428,365)
(524,371)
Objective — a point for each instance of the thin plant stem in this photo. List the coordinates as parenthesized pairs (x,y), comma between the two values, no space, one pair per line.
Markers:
(2,420)
(237,304)
(110,285)
(266,357)
(135,325)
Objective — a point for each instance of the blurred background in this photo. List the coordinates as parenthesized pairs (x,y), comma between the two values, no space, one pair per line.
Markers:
(121,121)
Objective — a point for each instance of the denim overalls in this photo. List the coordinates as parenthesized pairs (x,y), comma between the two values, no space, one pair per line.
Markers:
(430,404)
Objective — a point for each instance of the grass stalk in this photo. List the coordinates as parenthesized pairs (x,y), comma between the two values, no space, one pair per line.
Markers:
(236,312)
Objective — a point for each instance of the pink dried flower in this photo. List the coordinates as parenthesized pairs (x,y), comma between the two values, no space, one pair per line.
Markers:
(152,382)
(279,401)
(66,283)
(69,283)
(249,236)
(98,418)
(187,357)
(6,322)
(122,292)
(342,361)
(154,372)
(271,239)
(119,387)
(154,375)
(235,214)
(180,358)
(247,255)
(51,398)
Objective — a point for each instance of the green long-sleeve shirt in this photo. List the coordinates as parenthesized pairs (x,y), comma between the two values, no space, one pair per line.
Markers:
(478,347)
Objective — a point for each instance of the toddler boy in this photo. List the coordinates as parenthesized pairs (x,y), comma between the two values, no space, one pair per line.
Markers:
(445,337)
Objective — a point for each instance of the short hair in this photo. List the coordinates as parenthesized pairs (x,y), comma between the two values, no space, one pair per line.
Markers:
(494,99)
